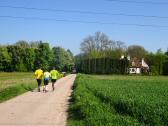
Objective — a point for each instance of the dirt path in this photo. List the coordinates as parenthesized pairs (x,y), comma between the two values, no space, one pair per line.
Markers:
(37,108)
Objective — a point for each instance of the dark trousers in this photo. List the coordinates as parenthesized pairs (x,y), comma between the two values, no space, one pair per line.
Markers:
(53,82)
(39,83)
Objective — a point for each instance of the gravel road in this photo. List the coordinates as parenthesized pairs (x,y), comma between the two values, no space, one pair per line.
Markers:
(38,108)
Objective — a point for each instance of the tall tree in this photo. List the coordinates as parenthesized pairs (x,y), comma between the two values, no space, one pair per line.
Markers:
(99,45)
(88,45)
(117,49)
(28,55)
(58,60)
(161,58)
(102,41)
(70,62)
(29,58)
(43,56)
(63,60)
(17,53)
(156,61)
(136,51)
(98,42)
(5,59)
(166,53)
(23,44)
(34,44)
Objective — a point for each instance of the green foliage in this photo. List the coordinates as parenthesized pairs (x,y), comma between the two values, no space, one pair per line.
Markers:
(24,56)
(17,53)
(63,60)
(103,66)
(155,62)
(136,51)
(29,59)
(5,59)
(166,53)
(119,100)
(165,68)
(43,56)
(23,44)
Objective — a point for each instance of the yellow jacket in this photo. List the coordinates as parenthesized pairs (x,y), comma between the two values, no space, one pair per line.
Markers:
(39,74)
(54,74)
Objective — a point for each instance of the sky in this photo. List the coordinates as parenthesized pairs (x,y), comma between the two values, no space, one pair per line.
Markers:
(59,26)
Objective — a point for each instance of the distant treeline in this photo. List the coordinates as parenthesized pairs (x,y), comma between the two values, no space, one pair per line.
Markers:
(101,55)
(103,66)
(158,62)
(24,56)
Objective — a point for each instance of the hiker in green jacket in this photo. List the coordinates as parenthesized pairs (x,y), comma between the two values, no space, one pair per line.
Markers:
(54,76)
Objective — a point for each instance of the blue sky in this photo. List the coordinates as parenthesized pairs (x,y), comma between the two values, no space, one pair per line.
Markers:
(70,34)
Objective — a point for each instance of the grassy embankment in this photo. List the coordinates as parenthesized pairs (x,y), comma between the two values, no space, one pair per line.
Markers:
(14,84)
(119,100)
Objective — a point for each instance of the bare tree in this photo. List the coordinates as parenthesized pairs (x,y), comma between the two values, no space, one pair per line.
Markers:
(102,41)
(120,45)
(101,44)
(98,42)
(88,45)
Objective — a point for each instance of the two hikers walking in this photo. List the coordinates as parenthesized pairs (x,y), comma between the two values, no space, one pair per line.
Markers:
(46,75)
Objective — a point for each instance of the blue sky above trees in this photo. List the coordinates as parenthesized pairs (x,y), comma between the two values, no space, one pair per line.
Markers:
(70,34)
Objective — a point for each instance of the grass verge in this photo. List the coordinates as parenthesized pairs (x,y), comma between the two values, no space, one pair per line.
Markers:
(14,84)
(16,90)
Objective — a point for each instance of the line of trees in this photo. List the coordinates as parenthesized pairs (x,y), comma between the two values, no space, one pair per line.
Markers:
(99,46)
(25,56)
(104,66)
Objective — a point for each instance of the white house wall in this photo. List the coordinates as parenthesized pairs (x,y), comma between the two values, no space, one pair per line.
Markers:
(134,70)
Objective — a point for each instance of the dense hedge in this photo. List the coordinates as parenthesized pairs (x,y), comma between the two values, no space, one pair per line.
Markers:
(103,66)
(165,68)
(156,63)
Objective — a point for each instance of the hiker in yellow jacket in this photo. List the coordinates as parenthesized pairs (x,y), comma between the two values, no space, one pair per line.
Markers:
(39,75)
(54,76)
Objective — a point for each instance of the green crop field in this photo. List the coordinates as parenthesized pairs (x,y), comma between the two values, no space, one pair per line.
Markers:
(119,100)
(13,84)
